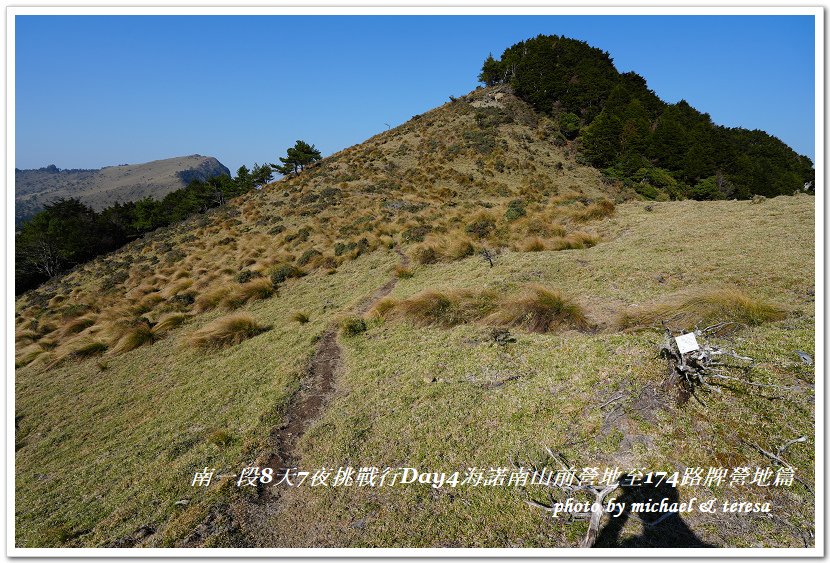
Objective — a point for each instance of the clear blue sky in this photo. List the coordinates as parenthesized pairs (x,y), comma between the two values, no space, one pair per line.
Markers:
(94,91)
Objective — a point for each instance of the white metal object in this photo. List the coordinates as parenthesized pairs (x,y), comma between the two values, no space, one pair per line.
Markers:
(687,343)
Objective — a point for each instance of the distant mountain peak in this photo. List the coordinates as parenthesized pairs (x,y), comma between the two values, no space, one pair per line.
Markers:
(100,188)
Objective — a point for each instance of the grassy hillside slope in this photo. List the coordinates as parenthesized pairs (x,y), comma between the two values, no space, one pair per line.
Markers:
(125,387)
(444,400)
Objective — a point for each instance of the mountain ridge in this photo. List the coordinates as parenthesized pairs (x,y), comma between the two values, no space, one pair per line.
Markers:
(102,187)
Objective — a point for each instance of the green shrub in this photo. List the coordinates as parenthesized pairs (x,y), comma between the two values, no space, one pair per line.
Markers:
(481,227)
(352,326)
(569,125)
(282,272)
(515,209)
(308,256)
(247,275)
(647,190)
(415,234)
(220,438)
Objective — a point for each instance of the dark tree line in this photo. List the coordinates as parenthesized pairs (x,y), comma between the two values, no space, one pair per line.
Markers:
(67,232)
(621,126)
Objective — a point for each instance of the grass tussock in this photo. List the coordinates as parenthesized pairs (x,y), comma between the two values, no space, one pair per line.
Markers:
(706,306)
(176,288)
(536,309)
(460,249)
(146,303)
(28,354)
(78,349)
(573,241)
(439,308)
(425,254)
(449,248)
(133,337)
(282,272)
(259,288)
(77,325)
(227,331)
(533,244)
(300,317)
(220,438)
(539,309)
(402,272)
(383,308)
(597,210)
(168,322)
(211,299)
(23,337)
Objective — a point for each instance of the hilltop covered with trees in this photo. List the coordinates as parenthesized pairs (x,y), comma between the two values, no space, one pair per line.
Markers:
(663,151)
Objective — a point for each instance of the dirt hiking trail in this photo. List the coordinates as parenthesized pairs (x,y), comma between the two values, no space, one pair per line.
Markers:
(246,520)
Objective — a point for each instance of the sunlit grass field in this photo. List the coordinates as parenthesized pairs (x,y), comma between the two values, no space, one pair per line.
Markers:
(184,349)
(448,399)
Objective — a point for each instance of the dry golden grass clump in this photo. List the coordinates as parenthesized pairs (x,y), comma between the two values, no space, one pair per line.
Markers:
(533,244)
(402,272)
(300,317)
(80,348)
(704,306)
(211,298)
(227,331)
(541,225)
(425,254)
(539,309)
(168,322)
(77,325)
(135,335)
(439,308)
(384,308)
(536,309)
(575,240)
(460,248)
(597,210)
(176,288)
(455,246)
(28,354)
(259,288)
(26,336)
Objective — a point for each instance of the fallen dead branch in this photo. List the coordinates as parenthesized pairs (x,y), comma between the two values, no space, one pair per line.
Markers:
(598,492)
(778,460)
